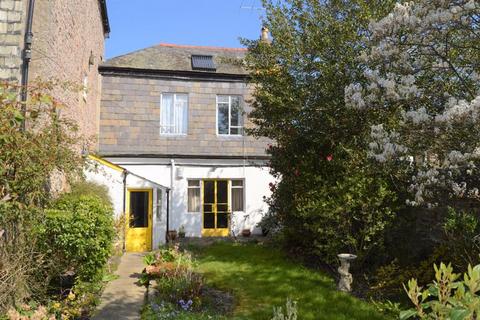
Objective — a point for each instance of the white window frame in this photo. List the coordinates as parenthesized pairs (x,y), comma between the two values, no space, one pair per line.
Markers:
(229,134)
(243,191)
(174,99)
(200,186)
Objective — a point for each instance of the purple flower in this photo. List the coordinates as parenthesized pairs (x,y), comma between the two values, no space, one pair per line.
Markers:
(185,305)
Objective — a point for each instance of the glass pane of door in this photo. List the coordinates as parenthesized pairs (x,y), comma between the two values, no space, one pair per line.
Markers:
(138,209)
(222,204)
(209,204)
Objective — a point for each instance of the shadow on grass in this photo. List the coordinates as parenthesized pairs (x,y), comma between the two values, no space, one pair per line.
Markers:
(261,277)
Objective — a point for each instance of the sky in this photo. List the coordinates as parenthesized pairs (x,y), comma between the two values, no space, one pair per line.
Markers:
(138,24)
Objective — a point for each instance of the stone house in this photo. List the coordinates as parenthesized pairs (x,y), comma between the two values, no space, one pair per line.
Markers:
(172,138)
(67,45)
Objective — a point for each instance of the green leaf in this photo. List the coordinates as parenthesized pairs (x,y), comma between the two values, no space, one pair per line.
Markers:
(459,314)
(407,314)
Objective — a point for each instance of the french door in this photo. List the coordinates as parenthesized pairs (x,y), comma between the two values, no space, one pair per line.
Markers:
(216,208)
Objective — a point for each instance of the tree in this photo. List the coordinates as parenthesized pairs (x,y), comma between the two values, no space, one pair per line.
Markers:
(27,161)
(329,198)
(421,93)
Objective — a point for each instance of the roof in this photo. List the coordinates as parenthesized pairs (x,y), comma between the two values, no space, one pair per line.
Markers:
(171,57)
(104,13)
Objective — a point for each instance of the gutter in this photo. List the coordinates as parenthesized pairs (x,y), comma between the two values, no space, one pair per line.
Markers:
(105,22)
(27,57)
(106,70)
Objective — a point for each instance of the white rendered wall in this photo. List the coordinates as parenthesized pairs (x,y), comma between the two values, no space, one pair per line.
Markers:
(256,184)
(113,180)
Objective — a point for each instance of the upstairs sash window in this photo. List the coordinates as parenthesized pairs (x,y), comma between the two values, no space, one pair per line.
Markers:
(229,115)
(174,114)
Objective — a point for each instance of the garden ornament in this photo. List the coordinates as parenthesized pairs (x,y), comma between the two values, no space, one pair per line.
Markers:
(346,279)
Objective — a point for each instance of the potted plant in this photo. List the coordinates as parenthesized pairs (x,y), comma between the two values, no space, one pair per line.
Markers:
(246,233)
(172,235)
(181,231)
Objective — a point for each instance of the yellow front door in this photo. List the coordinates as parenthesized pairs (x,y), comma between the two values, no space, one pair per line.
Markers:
(138,235)
(216,208)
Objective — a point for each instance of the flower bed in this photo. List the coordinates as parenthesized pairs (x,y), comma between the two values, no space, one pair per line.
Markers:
(176,291)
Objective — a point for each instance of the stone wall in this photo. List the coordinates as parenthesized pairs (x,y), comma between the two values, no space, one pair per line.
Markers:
(12,24)
(68,46)
(130,119)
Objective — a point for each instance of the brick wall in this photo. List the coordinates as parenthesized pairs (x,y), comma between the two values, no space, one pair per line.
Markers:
(12,22)
(130,118)
(66,34)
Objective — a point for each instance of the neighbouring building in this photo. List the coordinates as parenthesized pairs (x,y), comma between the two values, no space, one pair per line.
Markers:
(172,139)
(67,45)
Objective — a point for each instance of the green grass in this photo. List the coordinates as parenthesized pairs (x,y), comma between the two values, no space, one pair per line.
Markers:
(261,277)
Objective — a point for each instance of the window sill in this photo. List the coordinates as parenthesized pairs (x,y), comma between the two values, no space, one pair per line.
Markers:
(233,136)
(173,134)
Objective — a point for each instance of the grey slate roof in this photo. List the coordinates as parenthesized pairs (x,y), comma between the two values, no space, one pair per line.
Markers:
(171,57)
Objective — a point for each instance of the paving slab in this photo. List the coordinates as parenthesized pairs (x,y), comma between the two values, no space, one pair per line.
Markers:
(123,298)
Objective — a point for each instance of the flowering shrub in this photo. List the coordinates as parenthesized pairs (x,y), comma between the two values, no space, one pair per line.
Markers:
(420,92)
(328,197)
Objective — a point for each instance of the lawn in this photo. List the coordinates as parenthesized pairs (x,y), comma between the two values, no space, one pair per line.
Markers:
(261,277)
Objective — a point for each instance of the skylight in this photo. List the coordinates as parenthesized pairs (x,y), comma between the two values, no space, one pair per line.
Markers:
(201,62)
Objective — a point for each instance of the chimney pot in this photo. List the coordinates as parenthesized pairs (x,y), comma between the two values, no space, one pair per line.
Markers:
(264,35)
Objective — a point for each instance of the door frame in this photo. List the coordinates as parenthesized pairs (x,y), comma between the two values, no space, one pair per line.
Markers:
(149,231)
(216,232)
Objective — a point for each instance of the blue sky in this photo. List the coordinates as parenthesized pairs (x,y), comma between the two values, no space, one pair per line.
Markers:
(139,24)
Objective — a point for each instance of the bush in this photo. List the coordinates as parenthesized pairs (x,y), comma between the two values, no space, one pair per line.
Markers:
(78,236)
(462,231)
(176,283)
(28,162)
(447,297)
(269,224)
(87,188)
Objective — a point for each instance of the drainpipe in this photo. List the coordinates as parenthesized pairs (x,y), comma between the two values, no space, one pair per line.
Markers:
(27,56)
(125,173)
(168,213)
(172,181)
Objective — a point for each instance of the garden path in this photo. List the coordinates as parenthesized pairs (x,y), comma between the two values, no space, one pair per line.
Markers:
(123,298)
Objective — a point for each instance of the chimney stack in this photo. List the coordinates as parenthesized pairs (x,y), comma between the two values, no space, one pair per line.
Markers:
(264,36)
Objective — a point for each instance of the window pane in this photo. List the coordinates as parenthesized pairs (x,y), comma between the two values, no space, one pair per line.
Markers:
(209,191)
(222,220)
(223,119)
(222,192)
(237,199)
(222,99)
(166,113)
(236,183)
(236,112)
(209,220)
(139,209)
(181,113)
(194,183)
(193,199)
(236,130)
